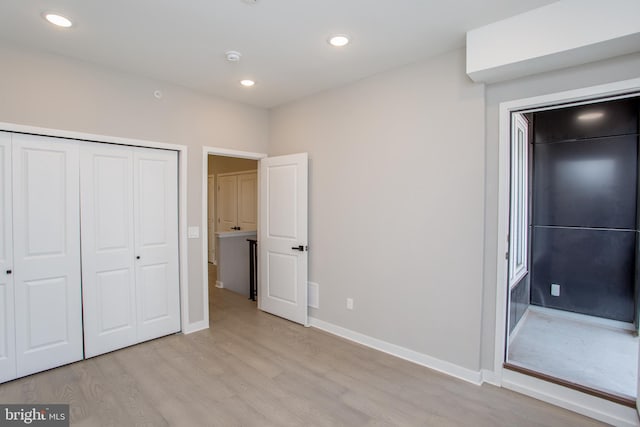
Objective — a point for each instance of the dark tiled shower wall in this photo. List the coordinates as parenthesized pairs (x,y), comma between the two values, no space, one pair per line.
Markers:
(594,268)
(519,301)
(584,210)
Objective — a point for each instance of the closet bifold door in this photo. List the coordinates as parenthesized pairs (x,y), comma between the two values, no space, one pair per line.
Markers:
(108,259)
(155,198)
(46,251)
(7,324)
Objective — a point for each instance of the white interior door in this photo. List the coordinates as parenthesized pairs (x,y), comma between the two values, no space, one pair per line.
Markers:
(211,219)
(227,203)
(156,242)
(46,253)
(7,324)
(108,258)
(282,241)
(248,201)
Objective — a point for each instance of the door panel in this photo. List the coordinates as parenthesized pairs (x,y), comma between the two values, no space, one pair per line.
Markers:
(46,252)
(282,202)
(283,275)
(108,258)
(7,326)
(156,242)
(46,296)
(155,305)
(248,201)
(283,226)
(227,202)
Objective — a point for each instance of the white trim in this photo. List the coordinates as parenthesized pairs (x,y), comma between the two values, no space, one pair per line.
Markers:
(182,193)
(503,378)
(518,236)
(465,374)
(215,151)
(488,376)
(573,400)
(91,137)
(196,326)
(219,284)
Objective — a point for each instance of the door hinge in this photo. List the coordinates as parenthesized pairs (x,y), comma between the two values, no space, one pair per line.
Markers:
(506,255)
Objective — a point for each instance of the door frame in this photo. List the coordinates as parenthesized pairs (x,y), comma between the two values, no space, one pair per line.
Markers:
(206,152)
(555,394)
(185,325)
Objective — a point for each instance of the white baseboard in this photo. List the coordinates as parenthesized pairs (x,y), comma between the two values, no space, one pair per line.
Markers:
(195,327)
(474,377)
(573,400)
(489,377)
(219,284)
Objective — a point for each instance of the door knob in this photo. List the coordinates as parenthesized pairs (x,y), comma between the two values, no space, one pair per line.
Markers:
(138,257)
(9,271)
(299,248)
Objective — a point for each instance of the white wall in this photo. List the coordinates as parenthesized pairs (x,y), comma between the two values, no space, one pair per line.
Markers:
(612,70)
(550,37)
(50,91)
(396,204)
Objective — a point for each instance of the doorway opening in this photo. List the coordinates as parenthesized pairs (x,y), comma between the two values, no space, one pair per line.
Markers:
(282,232)
(574,226)
(232,218)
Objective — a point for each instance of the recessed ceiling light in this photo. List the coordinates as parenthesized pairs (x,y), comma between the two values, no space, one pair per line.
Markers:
(247,83)
(339,40)
(591,116)
(59,20)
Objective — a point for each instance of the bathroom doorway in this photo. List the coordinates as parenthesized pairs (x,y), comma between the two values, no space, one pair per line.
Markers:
(572,303)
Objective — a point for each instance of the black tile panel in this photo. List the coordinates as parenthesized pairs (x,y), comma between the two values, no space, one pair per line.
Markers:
(594,268)
(519,302)
(586,183)
(587,121)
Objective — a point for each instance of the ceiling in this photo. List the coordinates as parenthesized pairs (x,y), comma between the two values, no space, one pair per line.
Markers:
(283,42)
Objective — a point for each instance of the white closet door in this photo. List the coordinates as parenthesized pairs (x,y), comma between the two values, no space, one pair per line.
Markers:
(156,242)
(248,201)
(227,202)
(7,324)
(46,227)
(108,258)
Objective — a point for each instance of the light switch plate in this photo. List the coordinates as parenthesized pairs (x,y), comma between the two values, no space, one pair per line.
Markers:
(193,232)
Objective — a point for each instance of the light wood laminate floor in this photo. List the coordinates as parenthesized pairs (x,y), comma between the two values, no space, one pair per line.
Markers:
(254,369)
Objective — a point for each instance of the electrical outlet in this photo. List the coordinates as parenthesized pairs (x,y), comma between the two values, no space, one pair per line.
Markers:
(349,303)
(555,290)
